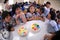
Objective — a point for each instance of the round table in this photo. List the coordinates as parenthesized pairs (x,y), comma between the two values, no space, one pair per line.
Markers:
(31,35)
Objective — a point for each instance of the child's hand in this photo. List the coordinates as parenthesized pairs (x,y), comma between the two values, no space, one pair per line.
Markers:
(42,18)
(17,16)
(33,18)
(36,18)
(12,29)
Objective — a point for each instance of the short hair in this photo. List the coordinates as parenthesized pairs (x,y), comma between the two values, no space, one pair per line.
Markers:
(15,7)
(42,9)
(5,14)
(58,16)
(48,3)
(53,15)
(58,11)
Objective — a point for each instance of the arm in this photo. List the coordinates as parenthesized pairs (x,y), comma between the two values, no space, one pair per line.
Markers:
(29,19)
(23,17)
(17,21)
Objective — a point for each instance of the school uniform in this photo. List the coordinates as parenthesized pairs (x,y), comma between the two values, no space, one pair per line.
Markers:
(9,25)
(47,10)
(20,18)
(29,15)
(59,26)
(52,26)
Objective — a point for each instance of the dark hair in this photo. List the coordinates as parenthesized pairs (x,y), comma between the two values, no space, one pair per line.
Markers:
(53,15)
(5,1)
(48,3)
(15,7)
(58,16)
(58,11)
(47,15)
(5,14)
(28,10)
(57,36)
(42,9)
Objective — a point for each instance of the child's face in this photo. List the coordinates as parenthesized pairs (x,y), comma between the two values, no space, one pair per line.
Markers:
(48,5)
(8,18)
(32,9)
(18,11)
(38,10)
(58,21)
(49,16)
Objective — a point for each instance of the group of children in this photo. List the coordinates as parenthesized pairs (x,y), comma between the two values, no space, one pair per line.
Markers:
(43,13)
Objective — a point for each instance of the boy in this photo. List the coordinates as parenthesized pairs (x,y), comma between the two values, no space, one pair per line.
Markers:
(47,8)
(8,22)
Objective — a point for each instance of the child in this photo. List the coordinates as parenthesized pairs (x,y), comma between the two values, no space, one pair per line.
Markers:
(47,8)
(52,25)
(40,13)
(19,15)
(8,21)
(31,15)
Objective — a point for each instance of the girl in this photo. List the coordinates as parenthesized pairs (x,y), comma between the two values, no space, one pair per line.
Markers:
(31,15)
(52,25)
(19,15)
(8,21)
(40,12)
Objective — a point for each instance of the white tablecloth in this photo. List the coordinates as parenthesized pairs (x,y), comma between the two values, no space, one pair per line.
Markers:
(31,35)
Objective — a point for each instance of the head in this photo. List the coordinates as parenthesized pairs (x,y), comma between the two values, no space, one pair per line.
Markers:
(41,10)
(16,9)
(38,9)
(48,16)
(6,16)
(48,4)
(31,9)
(53,15)
(5,1)
(57,12)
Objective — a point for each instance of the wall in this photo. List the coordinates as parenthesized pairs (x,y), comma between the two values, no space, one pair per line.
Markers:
(54,3)
(18,1)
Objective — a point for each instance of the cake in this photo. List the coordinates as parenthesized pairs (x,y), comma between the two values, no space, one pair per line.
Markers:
(35,27)
(22,31)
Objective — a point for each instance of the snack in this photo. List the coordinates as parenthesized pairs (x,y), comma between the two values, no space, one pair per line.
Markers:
(22,31)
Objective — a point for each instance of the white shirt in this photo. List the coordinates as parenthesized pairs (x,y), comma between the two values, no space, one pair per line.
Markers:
(54,25)
(51,25)
(47,10)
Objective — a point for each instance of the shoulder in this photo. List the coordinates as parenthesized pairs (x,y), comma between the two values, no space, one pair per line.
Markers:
(53,23)
(45,7)
(28,13)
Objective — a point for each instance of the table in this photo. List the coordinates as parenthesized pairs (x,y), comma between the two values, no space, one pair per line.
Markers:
(31,35)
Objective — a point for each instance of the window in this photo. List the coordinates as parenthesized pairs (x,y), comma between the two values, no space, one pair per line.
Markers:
(26,0)
(11,2)
(0,7)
